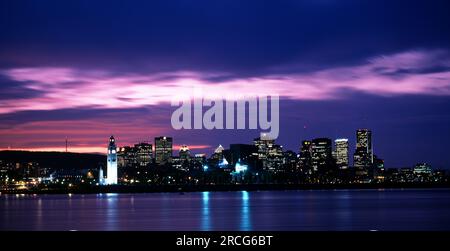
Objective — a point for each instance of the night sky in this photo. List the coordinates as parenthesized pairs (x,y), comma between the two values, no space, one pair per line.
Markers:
(88,69)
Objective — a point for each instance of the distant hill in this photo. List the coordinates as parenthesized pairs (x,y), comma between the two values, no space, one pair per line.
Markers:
(55,160)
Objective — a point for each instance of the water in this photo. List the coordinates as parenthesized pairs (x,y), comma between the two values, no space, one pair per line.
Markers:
(266,210)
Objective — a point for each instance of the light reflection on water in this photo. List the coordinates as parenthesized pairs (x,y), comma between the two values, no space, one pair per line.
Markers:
(111,211)
(269,210)
(206,219)
(245,212)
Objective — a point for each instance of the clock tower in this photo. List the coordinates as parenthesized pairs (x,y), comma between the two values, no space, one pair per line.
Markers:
(111,170)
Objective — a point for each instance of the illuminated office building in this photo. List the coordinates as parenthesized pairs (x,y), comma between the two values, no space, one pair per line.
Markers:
(268,152)
(422,168)
(363,157)
(143,153)
(184,153)
(341,153)
(163,150)
(305,156)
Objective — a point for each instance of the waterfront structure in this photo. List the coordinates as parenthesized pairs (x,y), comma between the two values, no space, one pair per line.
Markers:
(341,153)
(111,167)
(163,150)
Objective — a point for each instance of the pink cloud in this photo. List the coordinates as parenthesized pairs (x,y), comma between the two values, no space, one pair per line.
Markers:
(100,89)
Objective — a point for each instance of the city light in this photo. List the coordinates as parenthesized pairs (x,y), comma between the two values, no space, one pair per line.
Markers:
(318,161)
(240,168)
(223,163)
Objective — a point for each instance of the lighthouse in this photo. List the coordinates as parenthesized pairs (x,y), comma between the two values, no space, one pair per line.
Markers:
(111,169)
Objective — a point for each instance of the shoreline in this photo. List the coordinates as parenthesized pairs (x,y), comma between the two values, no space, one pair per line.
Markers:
(221,188)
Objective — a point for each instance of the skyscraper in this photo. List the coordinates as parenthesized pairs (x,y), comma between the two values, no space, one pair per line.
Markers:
(163,150)
(268,152)
(184,153)
(305,156)
(111,168)
(218,153)
(263,145)
(321,154)
(243,152)
(144,153)
(341,150)
(126,156)
(363,157)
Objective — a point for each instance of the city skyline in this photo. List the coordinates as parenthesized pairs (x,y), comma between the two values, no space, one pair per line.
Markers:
(319,161)
(340,151)
(351,153)
(224,123)
(336,66)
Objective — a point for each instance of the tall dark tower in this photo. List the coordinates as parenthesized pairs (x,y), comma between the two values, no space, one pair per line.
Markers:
(363,157)
(321,155)
(305,156)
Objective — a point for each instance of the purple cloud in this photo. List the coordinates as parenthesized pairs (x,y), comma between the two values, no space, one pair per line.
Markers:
(387,75)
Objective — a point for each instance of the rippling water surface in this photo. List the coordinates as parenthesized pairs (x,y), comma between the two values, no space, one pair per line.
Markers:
(266,210)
